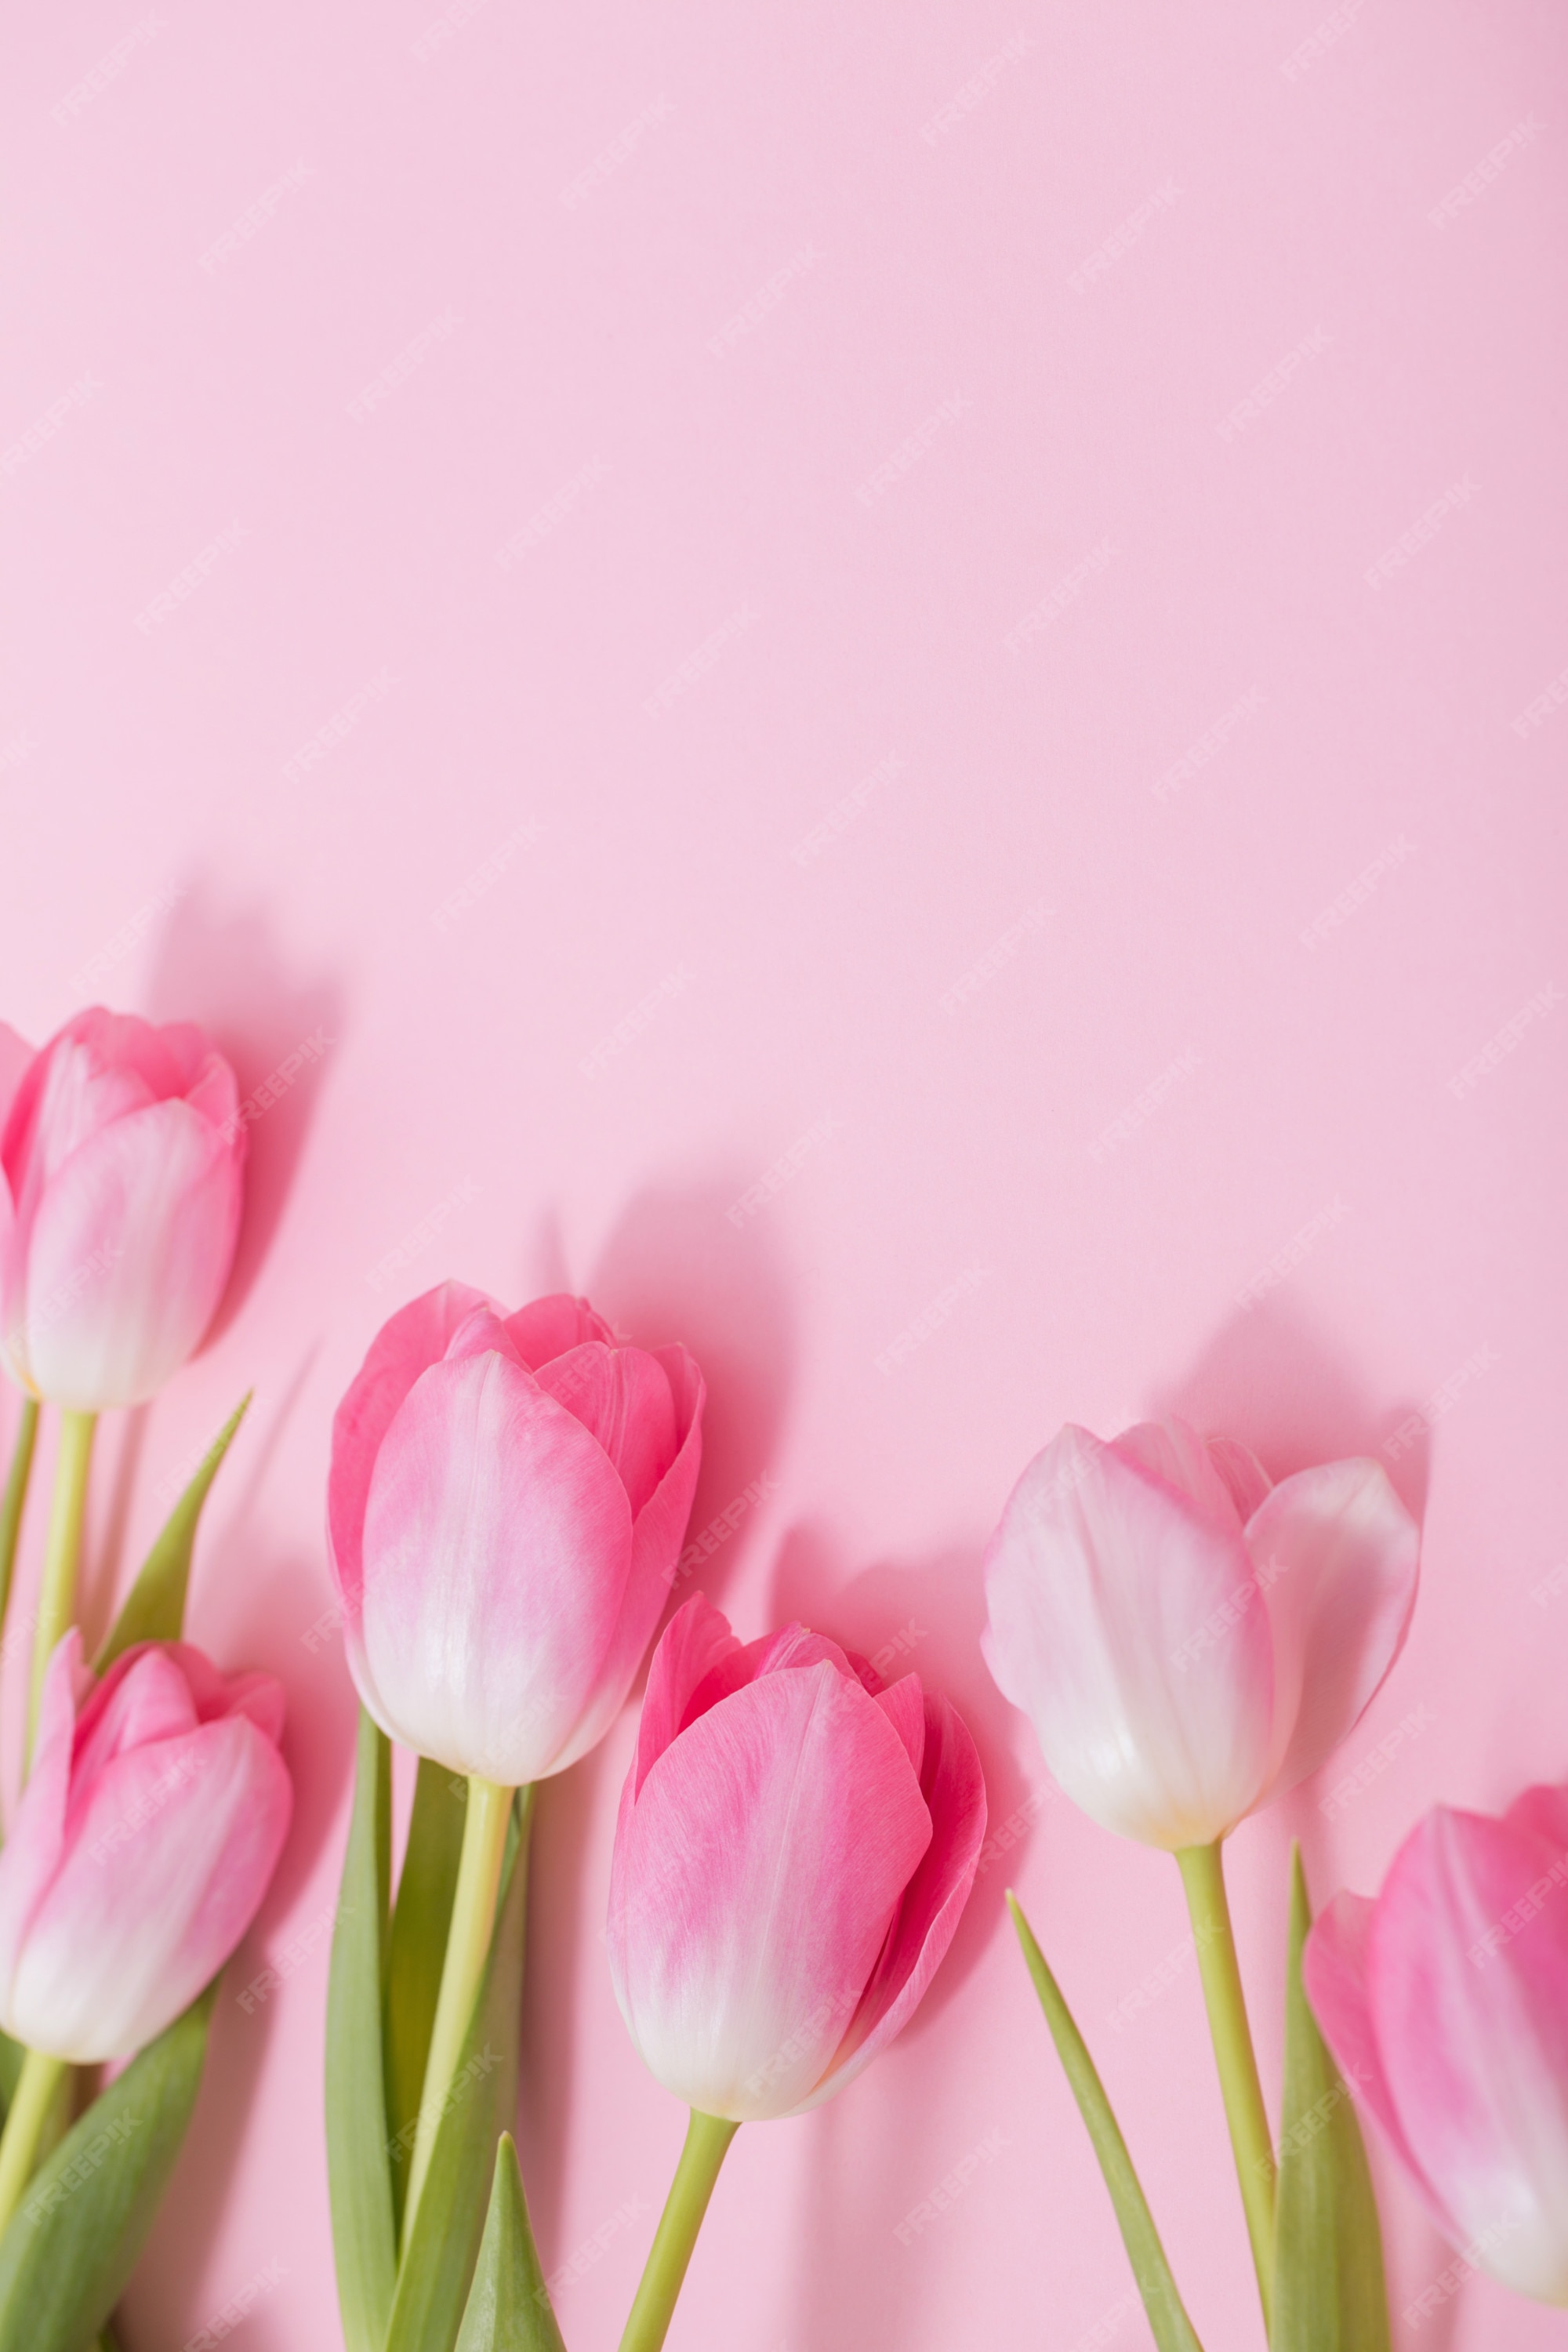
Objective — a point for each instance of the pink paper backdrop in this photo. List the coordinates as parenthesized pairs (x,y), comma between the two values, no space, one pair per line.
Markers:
(942,613)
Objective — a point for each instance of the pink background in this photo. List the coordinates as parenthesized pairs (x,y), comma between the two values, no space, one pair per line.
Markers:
(523,615)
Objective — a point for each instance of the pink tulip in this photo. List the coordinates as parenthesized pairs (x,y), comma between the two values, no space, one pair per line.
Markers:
(142,1844)
(1188,1640)
(1445,2004)
(506,1506)
(795,1843)
(120,1198)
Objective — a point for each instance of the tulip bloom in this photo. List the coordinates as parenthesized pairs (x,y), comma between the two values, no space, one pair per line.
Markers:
(795,1846)
(141,1846)
(505,1510)
(1446,2002)
(120,1198)
(1189,1641)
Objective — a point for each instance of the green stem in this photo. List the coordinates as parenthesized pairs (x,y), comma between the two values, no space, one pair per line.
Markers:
(708,2140)
(15,1495)
(35,2088)
(57,1595)
(1203,1877)
(468,1949)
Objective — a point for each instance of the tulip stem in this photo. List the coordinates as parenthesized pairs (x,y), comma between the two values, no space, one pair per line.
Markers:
(57,1593)
(708,2140)
(15,1495)
(1203,1877)
(468,1949)
(30,2102)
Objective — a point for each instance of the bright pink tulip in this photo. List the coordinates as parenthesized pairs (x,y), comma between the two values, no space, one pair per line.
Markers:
(1188,1640)
(120,1198)
(795,1843)
(1446,2003)
(507,1501)
(142,1844)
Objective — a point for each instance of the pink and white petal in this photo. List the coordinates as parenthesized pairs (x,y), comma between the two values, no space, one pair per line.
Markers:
(497,1544)
(31,1855)
(1242,1472)
(954,1790)
(1173,1451)
(1475,2040)
(621,1395)
(66,1096)
(547,1328)
(127,1257)
(1335,1971)
(1127,1625)
(761,1868)
(1335,1553)
(696,1638)
(214,1096)
(1544,1812)
(173,1856)
(904,1705)
(143,1697)
(407,1344)
(657,1537)
(14,1056)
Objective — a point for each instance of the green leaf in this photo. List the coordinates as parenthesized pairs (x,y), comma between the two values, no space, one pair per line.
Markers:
(1328,2291)
(1173,2330)
(359,2169)
(73,2242)
(155,1607)
(509,2303)
(15,1495)
(419,1923)
(438,2259)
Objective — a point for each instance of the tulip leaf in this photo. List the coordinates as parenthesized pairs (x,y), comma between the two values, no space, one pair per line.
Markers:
(1328,2291)
(155,1608)
(16,1494)
(1173,2330)
(439,2257)
(509,2303)
(73,2241)
(419,1923)
(359,2163)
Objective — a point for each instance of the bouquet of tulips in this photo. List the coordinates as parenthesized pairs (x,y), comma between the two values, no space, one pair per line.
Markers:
(796,1838)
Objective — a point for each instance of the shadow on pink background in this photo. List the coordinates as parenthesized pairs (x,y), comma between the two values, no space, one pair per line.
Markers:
(969,605)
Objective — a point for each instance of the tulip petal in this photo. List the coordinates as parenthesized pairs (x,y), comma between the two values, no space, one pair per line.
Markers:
(127,1257)
(1172,1450)
(1334,1965)
(693,1643)
(657,1537)
(498,1542)
(547,1328)
(622,1396)
(1126,1624)
(1242,1472)
(143,1697)
(903,1703)
(14,1056)
(407,1344)
(954,1788)
(1468,1972)
(175,1846)
(755,1878)
(1335,1552)
(31,1854)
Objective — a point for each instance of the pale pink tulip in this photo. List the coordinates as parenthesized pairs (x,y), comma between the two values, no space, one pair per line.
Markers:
(142,1844)
(1445,2004)
(795,1846)
(1188,1640)
(506,1506)
(121,1166)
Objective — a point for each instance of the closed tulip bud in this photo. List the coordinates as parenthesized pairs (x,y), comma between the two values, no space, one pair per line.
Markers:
(1445,2002)
(121,1166)
(507,1500)
(141,1847)
(1188,1640)
(795,1846)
